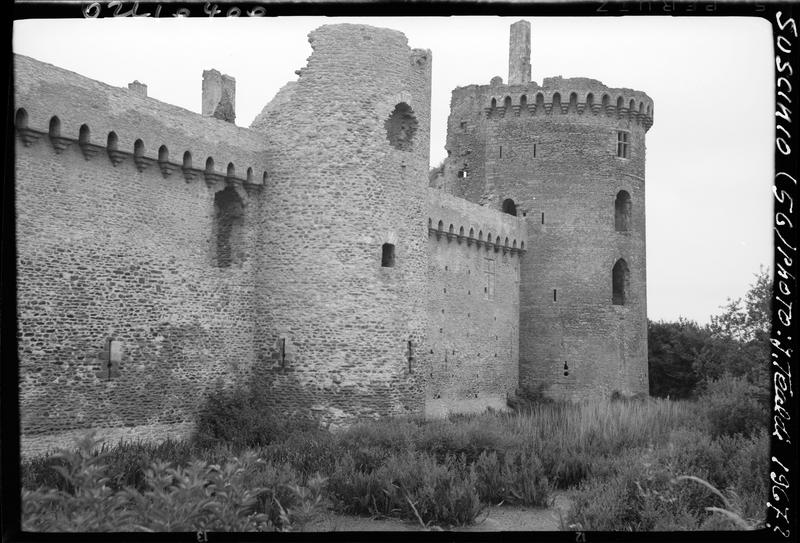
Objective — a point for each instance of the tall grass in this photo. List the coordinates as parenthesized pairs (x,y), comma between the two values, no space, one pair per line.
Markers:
(621,457)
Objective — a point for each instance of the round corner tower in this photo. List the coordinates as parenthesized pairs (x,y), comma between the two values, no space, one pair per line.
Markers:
(569,156)
(344,236)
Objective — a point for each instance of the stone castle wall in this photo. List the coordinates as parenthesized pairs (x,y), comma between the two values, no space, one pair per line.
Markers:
(162,253)
(557,160)
(350,176)
(110,248)
(473,279)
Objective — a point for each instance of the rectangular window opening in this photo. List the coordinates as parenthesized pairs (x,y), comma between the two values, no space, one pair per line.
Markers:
(542,217)
(623,149)
(534,150)
(501,151)
(387,255)
(488,289)
(464,126)
(283,352)
(555,295)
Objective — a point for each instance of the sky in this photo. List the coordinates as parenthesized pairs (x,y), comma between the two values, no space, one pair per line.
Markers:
(709,152)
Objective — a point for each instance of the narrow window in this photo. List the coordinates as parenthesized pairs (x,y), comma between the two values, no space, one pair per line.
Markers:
(509,207)
(534,150)
(410,355)
(228,225)
(542,217)
(555,295)
(623,150)
(488,289)
(619,282)
(622,211)
(282,342)
(566,369)
(462,174)
(501,151)
(464,126)
(387,255)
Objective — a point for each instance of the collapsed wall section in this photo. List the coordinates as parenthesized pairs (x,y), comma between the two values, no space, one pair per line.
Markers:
(473,331)
(345,267)
(135,284)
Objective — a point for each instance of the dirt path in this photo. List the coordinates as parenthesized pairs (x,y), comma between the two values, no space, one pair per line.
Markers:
(493,519)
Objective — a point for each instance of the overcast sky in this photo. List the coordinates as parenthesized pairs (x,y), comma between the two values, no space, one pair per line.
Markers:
(709,151)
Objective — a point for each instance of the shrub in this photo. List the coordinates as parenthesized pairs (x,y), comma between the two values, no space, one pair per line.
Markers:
(394,435)
(308,452)
(638,498)
(409,485)
(197,497)
(469,437)
(731,405)
(243,418)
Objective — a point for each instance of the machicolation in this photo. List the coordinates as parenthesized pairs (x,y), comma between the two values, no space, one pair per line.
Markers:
(164,253)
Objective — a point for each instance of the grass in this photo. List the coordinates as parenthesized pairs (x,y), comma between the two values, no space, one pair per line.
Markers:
(631,465)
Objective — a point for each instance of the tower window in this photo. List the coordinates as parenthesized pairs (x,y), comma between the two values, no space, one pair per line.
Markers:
(534,150)
(623,150)
(229,231)
(464,126)
(401,126)
(509,207)
(620,280)
(555,295)
(501,152)
(462,174)
(622,211)
(387,255)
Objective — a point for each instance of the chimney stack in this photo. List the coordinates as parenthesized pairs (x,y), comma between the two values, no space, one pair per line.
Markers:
(138,88)
(219,96)
(519,54)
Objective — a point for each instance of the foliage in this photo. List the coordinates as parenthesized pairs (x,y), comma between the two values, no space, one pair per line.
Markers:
(621,457)
(243,418)
(198,497)
(682,355)
(734,405)
(747,320)
(410,485)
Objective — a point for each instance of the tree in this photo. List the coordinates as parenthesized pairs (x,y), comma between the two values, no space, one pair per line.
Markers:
(741,334)
(748,320)
(683,356)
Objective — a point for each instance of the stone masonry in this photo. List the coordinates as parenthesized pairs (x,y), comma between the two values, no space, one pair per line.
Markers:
(164,253)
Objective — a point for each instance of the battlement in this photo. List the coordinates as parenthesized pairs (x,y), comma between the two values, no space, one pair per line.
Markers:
(68,108)
(572,96)
(455,220)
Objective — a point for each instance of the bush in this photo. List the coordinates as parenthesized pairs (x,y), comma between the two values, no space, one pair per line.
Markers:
(245,419)
(243,494)
(308,452)
(409,485)
(198,497)
(515,477)
(732,406)
(469,437)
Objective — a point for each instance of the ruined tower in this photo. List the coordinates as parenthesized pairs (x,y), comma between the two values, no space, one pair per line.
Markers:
(569,156)
(345,248)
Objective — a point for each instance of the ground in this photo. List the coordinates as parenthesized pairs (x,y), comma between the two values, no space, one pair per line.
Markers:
(496,518)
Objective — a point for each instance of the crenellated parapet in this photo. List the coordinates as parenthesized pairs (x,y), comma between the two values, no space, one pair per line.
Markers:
(454,220)
(557,96)
(125,125)
(253,177)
